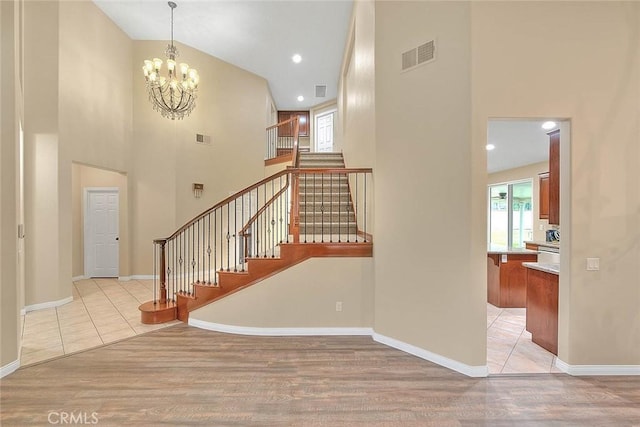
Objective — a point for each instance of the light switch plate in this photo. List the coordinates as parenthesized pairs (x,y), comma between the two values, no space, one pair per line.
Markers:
(503,258)
(593,264)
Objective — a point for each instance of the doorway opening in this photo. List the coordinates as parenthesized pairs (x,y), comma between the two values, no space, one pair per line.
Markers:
(518,162)
(324,134)
(101,232)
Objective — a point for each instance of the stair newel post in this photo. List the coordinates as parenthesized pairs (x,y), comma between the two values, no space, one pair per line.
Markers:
(161,272)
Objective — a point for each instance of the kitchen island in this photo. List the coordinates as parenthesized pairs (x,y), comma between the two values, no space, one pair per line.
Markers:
(542,304)
(506,276)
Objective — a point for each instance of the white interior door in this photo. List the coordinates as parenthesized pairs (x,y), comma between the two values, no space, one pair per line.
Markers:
(324,133)
(101,241)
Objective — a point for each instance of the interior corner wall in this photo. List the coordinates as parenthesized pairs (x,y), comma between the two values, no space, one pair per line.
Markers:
(527,172)
(41,153)
(10,313)
(355,121)
(430,289)
(536,59)
(231,109)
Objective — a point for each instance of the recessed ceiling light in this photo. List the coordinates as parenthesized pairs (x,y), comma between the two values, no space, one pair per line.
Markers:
(296,58)
(490,147)
(300,98)
(548,125)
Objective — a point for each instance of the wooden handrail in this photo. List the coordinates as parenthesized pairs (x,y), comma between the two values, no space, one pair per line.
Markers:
(295,171)
(263,208)
(227,200)
(332,170)
(282,123)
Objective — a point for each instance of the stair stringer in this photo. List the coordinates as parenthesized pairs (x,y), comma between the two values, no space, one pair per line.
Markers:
(260,269)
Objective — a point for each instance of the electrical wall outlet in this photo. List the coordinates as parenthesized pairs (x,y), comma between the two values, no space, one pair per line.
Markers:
(338,305)
(593,264)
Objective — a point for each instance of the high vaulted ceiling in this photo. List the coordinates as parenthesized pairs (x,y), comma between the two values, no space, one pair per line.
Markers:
(258,36)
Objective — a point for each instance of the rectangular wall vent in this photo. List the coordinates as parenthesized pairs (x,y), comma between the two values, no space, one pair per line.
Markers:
(321,91)
(203,139)
(422,54)
(409,59)
(426,52)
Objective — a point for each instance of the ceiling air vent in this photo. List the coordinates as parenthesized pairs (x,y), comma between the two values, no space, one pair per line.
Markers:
(422,54)
(203,139)
(321,91)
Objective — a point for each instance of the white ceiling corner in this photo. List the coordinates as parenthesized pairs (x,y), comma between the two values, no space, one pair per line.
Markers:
(259,36)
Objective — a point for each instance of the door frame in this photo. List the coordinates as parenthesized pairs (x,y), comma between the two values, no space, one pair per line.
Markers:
(317,116)
(87,238)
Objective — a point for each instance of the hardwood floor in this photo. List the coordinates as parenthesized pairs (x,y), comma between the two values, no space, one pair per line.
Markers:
(181,375)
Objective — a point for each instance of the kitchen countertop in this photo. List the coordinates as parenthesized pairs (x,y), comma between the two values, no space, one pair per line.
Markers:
(555,244)
(495,249)
(547,268)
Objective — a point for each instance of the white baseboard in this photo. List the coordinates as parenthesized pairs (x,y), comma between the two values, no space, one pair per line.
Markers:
(9,368)
(49,304)
(276,332)
(579,370)
(76,278)
(471,371)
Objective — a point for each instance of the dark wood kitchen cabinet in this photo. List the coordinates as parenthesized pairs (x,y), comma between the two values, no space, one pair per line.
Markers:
(543,200)
(303,122)
(542,309)
(554,177)
(507,280)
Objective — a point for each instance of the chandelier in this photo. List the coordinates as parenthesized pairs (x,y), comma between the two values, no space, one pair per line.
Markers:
(173,96)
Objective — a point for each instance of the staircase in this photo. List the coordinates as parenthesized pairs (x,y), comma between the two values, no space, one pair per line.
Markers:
(317,208)
(324,198)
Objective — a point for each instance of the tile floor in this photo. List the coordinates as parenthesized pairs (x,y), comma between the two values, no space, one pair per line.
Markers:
(509,346)
(102,311)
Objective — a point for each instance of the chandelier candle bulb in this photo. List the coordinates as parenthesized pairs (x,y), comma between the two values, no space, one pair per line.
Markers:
(173,97)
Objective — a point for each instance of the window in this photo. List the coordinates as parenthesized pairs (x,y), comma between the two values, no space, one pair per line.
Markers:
(510,214)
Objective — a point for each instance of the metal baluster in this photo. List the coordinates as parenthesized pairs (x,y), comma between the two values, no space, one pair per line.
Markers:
(193,259)
(228,237)
(235,235)
(265,240)
(322,208)
(355,210)
(313,226)
(197,251)
(306,207)
(331,207)
(339,207)
(241,239)
(215,246)
(287,207)
(349,203)
(365,208)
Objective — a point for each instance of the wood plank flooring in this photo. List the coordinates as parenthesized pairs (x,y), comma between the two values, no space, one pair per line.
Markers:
(186,376)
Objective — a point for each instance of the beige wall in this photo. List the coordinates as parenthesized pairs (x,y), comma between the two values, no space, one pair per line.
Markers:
(303,296)
(9,315)
(84,177)
(356,121)
(167,161)
(430,285)
(527,172)
(536,59)
(41,135)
